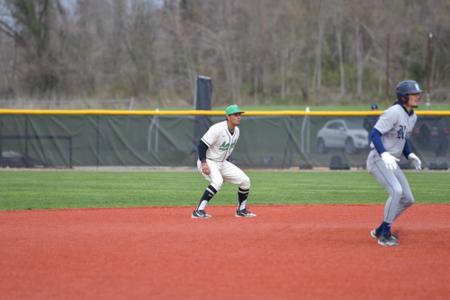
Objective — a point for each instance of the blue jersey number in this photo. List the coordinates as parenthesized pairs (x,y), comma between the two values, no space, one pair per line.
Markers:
(401,132)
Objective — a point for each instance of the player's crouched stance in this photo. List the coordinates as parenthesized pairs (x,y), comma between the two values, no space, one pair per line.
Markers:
(214,149)
(390,139)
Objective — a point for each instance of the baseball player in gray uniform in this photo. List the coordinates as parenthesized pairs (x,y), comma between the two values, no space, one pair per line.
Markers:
(214,149)
(389,138)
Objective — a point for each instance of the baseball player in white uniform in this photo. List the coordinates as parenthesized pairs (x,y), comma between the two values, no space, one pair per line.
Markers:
(214,149)
(389,138)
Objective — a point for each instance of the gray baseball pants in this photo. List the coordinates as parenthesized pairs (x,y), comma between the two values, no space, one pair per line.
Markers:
(395,183)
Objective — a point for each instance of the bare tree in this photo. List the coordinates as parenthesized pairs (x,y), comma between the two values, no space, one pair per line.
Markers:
(33,25)
(258,49)
(338,20)
(319,42)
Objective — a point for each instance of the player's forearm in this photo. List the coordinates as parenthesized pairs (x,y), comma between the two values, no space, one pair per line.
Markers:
(407,149)
(202,148)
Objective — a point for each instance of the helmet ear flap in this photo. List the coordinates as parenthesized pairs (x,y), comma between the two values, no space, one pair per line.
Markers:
(405,98)
(402,98)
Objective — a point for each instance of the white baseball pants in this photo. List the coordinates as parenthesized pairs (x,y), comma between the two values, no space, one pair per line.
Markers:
(224,172)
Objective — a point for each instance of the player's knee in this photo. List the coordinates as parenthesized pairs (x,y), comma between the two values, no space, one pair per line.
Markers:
(217,184)
(396,191)
(409,200)
(245,184)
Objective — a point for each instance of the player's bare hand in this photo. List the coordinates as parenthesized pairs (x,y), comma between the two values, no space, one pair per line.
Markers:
(415,160)
(205,168)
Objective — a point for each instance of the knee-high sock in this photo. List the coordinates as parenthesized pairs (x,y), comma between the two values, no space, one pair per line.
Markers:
(242,197)
(210,191)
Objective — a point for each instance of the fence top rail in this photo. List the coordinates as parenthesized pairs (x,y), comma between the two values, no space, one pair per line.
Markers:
(205,112)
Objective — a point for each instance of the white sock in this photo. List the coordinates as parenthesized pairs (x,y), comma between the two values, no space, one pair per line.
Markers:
(242,205)
(202,205)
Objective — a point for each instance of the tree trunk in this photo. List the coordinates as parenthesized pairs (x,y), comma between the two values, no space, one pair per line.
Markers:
(338,26)
(359,59)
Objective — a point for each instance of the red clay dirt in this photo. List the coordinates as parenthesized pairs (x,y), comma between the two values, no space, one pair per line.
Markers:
(287,252)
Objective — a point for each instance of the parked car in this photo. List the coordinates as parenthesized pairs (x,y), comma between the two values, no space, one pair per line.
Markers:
(347,134)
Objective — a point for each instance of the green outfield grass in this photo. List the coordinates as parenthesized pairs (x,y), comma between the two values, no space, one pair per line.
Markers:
(20,190)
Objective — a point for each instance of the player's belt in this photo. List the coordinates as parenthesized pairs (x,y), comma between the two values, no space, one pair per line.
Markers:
(215,160)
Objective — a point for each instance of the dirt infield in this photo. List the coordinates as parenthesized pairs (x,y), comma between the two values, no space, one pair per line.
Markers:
(287,252)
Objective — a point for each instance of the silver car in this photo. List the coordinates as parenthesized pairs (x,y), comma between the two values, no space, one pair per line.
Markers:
(342,134)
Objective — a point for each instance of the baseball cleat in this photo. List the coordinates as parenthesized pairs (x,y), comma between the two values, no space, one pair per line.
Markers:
(244,213)
(200,214)
(387,241)
(375,235)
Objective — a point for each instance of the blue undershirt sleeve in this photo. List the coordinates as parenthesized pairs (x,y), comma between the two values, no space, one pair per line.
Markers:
(407,149)
(375,137)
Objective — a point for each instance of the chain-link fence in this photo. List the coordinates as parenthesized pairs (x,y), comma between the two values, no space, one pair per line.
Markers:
(69,139)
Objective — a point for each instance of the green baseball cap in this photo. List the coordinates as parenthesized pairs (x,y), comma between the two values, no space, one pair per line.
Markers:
(233,109)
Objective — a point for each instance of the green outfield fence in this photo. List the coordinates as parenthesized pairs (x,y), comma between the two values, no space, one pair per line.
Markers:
(269,139)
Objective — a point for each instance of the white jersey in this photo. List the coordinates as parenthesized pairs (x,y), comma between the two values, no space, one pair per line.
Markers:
(220,141)
(395,125)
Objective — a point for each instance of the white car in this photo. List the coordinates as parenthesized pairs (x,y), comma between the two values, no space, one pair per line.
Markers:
(348,134)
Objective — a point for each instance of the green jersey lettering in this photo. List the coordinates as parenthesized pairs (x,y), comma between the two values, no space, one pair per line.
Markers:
(225,146)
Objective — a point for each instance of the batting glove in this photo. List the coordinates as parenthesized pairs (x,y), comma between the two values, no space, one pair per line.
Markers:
(416,162)
(389,161)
